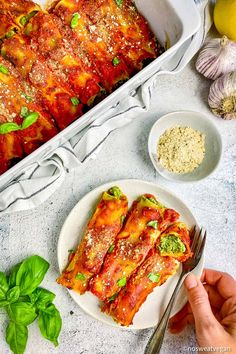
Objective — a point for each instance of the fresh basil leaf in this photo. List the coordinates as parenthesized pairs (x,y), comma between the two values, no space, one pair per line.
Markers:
(154,277)
(3,286)
(29,120)
(31,273)
(75,101)
(122,282)
(6,128)
(13,294)
(153,223)
(116,61)
(3,303)
(50,323)
(22,313)
(119,3)
(24,112)
(12,277)
(75,20)
(80,276)
(111,248)
(16,337)
(41,298)
(4,70)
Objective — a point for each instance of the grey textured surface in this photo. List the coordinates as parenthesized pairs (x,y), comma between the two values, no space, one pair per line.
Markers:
(125,155)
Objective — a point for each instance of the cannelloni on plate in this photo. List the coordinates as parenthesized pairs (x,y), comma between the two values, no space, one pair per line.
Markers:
(98,239)
(162,261)
(144,224)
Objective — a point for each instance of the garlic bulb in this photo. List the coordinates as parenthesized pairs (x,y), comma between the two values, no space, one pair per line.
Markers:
(222,96)
(218,57)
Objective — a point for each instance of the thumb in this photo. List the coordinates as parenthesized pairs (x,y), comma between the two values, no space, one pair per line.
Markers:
(201,308)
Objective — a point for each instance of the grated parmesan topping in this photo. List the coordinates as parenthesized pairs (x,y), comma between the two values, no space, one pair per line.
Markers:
(181,149)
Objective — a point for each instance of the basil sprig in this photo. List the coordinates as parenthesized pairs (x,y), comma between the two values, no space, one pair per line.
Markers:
(29,119)
(25,302)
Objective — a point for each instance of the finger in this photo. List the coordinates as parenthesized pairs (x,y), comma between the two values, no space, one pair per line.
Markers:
(198,299)
(228,313)
(225,284)
(215,298)
(178,327)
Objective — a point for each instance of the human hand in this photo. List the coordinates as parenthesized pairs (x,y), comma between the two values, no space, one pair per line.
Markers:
(211,308)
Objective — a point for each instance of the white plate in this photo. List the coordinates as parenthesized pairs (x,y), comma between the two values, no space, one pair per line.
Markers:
(197,121)
(72,230)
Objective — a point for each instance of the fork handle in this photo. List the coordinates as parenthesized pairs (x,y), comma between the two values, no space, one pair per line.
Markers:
(156,340)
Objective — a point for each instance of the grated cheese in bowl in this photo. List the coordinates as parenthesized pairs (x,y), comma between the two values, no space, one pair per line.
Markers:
(181,149)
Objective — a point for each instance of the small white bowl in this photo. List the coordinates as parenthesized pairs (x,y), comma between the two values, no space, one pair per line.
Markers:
(197,121)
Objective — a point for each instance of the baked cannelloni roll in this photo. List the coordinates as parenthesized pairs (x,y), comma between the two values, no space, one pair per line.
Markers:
(98,239)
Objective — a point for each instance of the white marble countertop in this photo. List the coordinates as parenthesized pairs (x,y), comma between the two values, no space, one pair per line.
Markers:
(125,155)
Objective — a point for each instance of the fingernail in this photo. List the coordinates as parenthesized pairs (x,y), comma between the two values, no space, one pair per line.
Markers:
(190,281)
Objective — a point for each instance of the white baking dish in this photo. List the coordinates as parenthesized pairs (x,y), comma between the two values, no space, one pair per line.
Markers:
(173,22)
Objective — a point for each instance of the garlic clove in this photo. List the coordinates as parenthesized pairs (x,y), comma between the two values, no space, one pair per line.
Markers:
(222,96)
(218,57)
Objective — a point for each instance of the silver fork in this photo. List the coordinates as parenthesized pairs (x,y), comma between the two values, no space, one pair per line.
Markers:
(198,244)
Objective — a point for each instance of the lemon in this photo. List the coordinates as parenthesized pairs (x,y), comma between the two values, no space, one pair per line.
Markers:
(225,18)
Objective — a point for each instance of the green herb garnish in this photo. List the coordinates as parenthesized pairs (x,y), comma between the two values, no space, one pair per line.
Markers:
(75,20)
(24,301)
(116,192)
(122,218)
(29,120)
(75,101)
(122,282)
(27,97)
(80,276)
(6,128)
(23,20)
(116,61)
(153,200)
(4,70)
(24,112)
(10,34)
(154,277)
(119,3)
(113,297)
(153,224)
(111,248)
